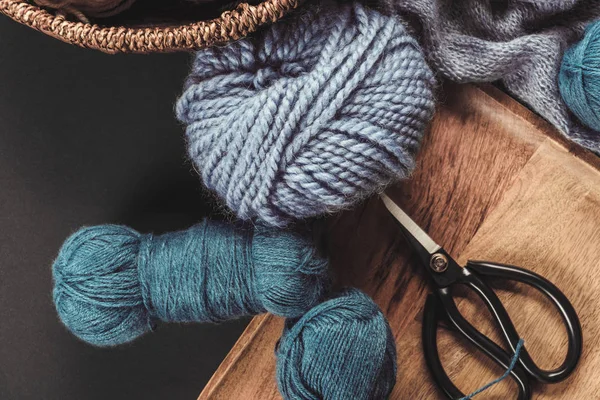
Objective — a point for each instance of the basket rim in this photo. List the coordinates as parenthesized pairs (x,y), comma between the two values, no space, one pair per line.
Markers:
(231,25)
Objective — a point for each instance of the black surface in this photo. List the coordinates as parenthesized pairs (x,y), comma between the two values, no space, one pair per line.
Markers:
(87,138)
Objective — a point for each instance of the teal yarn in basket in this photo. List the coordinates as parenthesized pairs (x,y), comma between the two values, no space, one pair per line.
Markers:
(310,116)
(579,78)
(341,349)
(111,283)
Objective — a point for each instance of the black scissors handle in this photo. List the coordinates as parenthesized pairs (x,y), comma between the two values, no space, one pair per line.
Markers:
(471,277)
(434,311)
(558,299)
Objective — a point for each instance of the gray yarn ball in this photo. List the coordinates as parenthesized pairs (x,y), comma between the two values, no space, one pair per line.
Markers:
(311,116)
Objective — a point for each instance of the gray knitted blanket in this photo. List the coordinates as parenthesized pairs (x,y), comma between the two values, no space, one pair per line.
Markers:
(517,42)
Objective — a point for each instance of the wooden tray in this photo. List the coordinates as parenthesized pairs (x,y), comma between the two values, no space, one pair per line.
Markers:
(493,182)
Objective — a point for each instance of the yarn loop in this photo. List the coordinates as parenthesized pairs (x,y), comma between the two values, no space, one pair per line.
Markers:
(311,116)
(579,78)
(111,283)
(341,349)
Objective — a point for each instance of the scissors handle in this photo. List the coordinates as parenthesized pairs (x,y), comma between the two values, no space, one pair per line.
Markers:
(481,269)
(434,311)
(471,276)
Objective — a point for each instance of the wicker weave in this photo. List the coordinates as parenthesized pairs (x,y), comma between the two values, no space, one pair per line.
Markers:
(232,25)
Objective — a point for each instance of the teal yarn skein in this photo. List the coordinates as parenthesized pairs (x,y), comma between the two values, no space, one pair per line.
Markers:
(341,349)
(310,116)
(111,283)
(579,78)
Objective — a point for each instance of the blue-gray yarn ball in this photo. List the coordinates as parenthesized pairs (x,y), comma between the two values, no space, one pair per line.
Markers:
(111,283)
(341,349)
(309,117)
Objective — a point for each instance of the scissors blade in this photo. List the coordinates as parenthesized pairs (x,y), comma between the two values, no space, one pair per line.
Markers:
(410,226)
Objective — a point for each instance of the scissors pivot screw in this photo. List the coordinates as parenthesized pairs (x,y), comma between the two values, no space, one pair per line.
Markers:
(438,263)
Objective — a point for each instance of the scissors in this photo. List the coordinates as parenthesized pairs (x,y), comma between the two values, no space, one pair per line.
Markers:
(445,274)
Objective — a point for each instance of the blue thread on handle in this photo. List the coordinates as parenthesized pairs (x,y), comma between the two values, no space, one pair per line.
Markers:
(513,362)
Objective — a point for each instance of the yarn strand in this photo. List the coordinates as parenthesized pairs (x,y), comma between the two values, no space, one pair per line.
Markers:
(513,363)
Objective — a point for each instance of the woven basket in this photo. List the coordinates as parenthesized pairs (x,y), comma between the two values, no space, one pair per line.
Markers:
(231,25)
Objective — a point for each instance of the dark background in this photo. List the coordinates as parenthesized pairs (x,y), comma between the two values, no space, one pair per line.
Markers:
(87,138)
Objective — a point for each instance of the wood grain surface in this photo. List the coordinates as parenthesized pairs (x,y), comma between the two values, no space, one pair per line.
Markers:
(493,182)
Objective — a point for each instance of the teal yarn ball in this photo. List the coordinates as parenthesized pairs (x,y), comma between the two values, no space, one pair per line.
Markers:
(579,78)
(111,283)
(341,349)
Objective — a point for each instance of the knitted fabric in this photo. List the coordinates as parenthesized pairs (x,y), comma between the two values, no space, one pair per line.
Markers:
(311,116)
(518,42)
